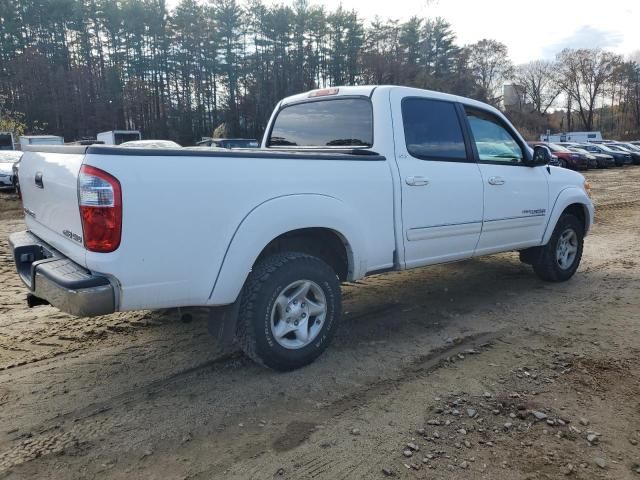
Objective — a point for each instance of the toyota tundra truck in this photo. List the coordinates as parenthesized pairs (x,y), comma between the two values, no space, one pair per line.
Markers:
(347,182)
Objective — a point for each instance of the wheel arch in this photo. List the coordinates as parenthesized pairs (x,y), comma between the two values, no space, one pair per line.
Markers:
(316,224)
(570,200)
(327,244)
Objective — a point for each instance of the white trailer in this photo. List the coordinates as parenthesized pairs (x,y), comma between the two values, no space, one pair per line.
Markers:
(581,137)
(116,137)
(6,141)
(40,140)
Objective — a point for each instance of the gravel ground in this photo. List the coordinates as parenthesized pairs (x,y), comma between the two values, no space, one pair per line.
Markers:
(470,370)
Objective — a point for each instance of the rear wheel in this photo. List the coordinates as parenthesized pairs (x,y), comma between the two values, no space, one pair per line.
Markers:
(289,310)
(559,259)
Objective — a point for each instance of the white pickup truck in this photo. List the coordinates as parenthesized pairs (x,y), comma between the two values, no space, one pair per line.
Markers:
(347,182)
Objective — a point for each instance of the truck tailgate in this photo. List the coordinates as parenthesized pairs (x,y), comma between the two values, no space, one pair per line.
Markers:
(49,183)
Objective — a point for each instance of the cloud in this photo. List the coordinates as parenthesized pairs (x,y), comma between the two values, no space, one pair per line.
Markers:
(585,36)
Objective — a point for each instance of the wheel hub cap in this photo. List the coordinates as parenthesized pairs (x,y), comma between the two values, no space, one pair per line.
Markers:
(567,248)
(298,314)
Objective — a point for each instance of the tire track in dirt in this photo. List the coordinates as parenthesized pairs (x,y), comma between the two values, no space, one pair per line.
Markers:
(78,428)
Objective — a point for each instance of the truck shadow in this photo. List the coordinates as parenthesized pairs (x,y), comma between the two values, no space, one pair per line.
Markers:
(173,371)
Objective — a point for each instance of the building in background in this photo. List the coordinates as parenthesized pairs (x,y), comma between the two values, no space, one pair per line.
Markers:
(513,97)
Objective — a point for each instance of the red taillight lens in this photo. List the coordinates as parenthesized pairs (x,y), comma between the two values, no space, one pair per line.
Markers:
(100,199)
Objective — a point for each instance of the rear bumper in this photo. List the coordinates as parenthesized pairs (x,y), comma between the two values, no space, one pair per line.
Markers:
(51,276)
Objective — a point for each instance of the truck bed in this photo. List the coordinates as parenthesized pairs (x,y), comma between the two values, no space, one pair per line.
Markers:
(183,207)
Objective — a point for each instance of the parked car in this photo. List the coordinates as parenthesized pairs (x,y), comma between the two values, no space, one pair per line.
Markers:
(596,160)
(566,157)
(7,159)
(635,156)
(601,160)
(620,158)
(633,149)
(150,144)
(592,161)
(267,235)
(229,142)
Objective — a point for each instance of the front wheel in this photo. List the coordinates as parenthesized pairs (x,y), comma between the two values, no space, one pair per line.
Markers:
(559,259)
(289,310)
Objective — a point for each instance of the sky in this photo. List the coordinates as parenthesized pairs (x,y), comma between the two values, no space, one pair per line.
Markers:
(531,30)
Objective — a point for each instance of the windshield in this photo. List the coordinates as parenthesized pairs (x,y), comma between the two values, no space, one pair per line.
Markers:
(340,122)
(557,148)
(631,147)
(616,148)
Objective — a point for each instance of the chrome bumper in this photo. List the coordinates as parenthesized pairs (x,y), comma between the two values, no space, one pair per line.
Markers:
(51,276)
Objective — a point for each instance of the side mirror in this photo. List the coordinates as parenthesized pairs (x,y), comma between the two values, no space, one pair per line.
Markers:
(541,156)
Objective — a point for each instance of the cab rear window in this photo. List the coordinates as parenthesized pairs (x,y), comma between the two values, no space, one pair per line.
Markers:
(346,122)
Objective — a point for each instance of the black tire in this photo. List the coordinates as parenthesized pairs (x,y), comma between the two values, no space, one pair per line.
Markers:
(269,278)
(546,265)
(563,163)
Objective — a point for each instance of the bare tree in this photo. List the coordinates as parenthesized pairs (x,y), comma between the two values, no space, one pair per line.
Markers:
(490,66)
(539,83)
(583,74)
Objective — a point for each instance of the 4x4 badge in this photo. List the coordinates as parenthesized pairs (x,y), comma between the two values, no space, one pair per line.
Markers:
(72,236)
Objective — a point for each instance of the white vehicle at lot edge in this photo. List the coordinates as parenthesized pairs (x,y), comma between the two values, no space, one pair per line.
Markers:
(348,182)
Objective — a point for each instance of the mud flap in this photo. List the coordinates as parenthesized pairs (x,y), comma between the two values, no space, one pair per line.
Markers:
(222,324)
(530,255)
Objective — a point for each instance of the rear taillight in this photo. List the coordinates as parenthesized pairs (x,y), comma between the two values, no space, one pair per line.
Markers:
(100,199)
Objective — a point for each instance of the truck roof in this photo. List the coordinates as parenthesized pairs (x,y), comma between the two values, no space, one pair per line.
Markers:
(368,90)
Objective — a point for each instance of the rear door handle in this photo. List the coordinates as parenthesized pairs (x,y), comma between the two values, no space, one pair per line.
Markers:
(417,181)
(496,181)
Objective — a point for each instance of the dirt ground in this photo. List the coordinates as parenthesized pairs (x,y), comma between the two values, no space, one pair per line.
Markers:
(470,370)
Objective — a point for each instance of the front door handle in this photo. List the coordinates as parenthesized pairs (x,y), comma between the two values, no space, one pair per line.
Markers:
(417,181)
(496,181)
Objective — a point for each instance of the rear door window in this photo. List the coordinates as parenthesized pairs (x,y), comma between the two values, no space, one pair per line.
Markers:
(432,130)
(346,122)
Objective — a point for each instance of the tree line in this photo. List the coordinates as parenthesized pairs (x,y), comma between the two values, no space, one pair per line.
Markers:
(77,67)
